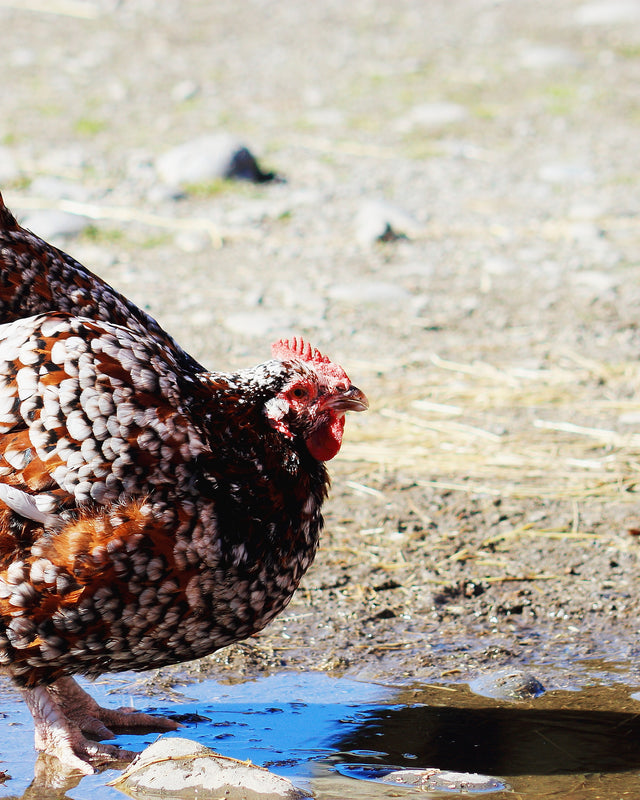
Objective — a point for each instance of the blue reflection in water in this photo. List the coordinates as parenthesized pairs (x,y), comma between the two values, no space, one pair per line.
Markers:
(286,722)
(280,722)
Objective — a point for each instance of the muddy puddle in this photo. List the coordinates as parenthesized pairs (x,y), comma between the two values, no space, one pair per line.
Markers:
(342,739)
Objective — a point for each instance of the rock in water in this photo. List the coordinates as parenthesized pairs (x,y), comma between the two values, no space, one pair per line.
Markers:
(177,767)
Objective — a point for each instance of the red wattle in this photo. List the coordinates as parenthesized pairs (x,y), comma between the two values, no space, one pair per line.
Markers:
(325,443)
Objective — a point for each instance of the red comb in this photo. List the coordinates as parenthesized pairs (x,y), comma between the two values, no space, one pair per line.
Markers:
(298,350)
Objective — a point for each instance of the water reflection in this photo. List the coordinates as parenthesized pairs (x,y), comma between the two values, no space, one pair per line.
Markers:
(498,741)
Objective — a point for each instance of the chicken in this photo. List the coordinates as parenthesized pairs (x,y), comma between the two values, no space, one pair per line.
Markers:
(151,511)
(36,277)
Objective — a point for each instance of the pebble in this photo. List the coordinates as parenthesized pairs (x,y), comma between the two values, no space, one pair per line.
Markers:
(561,173)
(325,117)
(51,224)
(378,221)
(595,282)
(541,57)
(510,684)
(218,155)
(446,780)
(160,193)
(184,90)
(432,116)
(174,766)
(366,292)
(608,12)
(497,265)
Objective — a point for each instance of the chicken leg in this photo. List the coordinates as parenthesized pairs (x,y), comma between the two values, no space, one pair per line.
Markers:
(63,713)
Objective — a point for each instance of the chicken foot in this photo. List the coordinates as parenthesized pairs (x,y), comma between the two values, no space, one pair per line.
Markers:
(63,713)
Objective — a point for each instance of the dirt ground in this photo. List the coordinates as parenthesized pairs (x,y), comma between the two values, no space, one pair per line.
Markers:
(484,513)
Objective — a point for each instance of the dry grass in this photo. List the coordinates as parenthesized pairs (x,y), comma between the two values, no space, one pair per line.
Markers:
(475,427)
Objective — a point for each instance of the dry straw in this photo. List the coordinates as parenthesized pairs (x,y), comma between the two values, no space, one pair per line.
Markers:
(565,430)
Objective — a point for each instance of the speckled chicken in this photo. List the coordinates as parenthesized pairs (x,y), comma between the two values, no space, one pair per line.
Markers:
(151,511)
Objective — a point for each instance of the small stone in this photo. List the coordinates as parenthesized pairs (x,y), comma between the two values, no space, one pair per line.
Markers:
(325,117)
(595,282)
(541,57)
(161,193)
(433,116)
(364,292)
(497,265)
(185,90)
(52,224)
(561,173)
(585,210)
(607,12)
(445,780)
(22,57)
(629,418)
(583,231)
(209,158)
(174,766)
(377,221)
(508,685)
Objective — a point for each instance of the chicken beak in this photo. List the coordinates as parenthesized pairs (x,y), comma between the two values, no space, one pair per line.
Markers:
(351,399)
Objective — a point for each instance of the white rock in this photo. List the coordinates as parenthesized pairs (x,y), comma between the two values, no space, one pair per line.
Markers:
(433,115)
(325,117)
(583,231)
(174,766)
(607,12)
(368,292)
(162,193)
(22,57)
(380,221)
(595,281)
(51,224)
(560,172)
(508,684)
(203,159)
(445,780)
(536,56)
(497,265)
(184,90)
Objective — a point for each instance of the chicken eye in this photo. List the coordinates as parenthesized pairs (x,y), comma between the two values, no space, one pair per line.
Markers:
(299,393)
